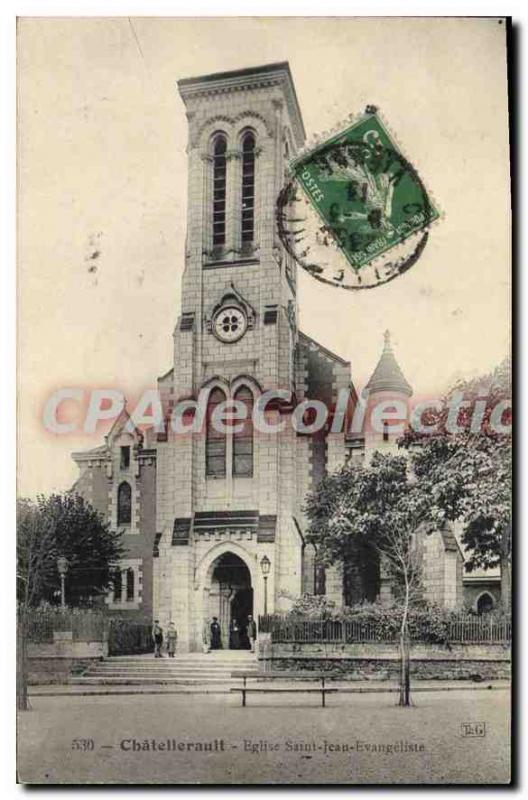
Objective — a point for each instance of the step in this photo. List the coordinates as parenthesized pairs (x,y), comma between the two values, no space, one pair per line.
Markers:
(182,661)
(162,662)
(147,681)
(146,670)
(163,675)
(172,668)
(202,659)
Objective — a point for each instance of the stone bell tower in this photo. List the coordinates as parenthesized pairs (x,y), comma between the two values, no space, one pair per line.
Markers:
(226,502)
(243,127)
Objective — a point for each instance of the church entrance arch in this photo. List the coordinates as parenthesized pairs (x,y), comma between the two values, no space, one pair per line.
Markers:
(228,596)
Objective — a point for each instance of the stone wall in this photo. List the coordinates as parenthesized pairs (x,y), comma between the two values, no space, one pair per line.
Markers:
(55,662)
(380,661)
(55,669)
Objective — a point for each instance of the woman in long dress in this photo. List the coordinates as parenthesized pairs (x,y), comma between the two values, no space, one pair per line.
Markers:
(235,635)
(216,635)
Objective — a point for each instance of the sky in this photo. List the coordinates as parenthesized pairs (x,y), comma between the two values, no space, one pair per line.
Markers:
(102,168)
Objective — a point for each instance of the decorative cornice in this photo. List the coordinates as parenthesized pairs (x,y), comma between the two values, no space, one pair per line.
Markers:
(252,78)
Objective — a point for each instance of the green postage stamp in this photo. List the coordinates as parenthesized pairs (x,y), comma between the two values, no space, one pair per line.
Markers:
(369,197)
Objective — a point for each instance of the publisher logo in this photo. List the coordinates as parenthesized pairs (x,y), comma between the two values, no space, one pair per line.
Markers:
(475,730)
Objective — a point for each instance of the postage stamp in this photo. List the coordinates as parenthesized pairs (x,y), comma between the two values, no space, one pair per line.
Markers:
(368,197)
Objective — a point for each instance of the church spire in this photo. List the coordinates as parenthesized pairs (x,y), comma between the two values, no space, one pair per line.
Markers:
(388,377)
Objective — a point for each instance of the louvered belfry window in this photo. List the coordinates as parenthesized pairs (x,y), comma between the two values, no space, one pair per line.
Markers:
(215,443)
(219,191)
(248,188)
(243,440)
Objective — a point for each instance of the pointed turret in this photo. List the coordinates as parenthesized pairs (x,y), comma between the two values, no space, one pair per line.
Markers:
(388,394)
(388,377)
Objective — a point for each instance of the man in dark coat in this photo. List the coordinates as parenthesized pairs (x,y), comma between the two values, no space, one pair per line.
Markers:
(216,635)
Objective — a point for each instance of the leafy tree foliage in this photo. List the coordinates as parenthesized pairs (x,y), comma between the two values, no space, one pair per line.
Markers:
(374,504)
(377,504)
(468,472)
(63,525)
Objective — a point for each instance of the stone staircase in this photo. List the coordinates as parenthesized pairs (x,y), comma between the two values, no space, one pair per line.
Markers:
(211,670)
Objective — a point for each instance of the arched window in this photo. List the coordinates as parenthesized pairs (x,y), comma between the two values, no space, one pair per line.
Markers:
(124,504)
(248,188)
(484,603)
(130,580)
(243,440)
(219,190)
(215,441)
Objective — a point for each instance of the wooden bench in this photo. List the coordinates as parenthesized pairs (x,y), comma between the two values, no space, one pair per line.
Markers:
(303,676)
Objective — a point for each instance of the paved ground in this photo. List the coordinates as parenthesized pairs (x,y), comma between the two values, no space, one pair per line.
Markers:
(358,738)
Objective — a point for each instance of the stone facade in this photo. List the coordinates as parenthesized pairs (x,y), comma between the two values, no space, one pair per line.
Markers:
(196,539)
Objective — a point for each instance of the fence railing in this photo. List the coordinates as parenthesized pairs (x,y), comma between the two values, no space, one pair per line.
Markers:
(42,624)
(124,636)
(463,629)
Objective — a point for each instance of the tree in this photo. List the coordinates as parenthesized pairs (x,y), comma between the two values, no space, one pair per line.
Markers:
(36,553)
(379,505)
(468,471)
(63,525)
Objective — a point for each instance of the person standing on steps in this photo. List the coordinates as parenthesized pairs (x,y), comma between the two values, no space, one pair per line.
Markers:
(157,635)
(251,632)
(235,636)
(216,635)
(172,638)
(206,636)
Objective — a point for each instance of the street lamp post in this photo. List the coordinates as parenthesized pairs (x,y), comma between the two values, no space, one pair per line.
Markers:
(62,567)
(265,565)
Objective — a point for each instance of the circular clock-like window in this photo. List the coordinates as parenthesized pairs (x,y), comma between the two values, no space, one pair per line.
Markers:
(230,324)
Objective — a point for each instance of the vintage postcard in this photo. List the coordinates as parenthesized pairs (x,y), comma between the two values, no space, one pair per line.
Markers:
(264,477)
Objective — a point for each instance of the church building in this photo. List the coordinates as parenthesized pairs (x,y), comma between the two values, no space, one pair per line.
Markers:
(213,522)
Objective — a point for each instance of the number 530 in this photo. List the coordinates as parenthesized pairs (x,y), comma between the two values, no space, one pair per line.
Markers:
(83,744)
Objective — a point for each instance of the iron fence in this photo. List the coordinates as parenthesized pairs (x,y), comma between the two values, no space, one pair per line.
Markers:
(42,623)
(124,636)
(463,629)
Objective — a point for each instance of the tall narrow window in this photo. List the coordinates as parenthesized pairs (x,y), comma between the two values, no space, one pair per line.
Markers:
(248,188)
(215,442)
(124,504)
(130,579)
(219,191)
(385,431)
(117,581)
(319,577)
(125,457)
(243,440)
